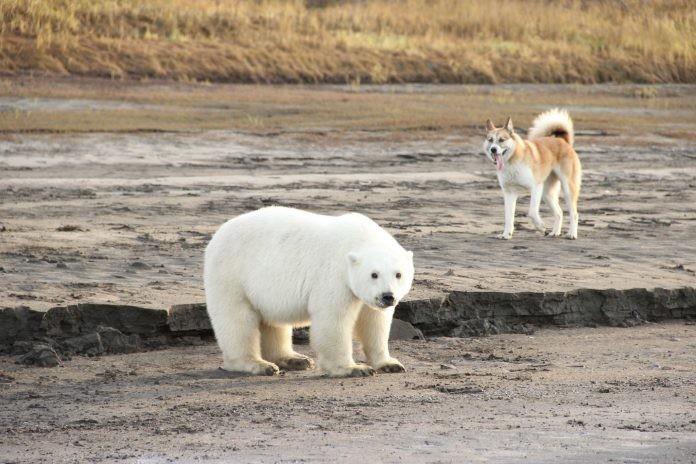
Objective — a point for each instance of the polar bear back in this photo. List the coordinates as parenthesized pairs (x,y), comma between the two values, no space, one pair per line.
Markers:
(278,256)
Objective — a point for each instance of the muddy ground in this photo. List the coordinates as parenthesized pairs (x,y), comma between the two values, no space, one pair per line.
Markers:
(109,192)
(572,395)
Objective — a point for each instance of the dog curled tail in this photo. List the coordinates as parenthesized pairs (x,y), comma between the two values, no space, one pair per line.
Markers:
(553,123)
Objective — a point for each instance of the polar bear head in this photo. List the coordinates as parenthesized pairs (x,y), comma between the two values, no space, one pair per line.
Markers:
(380,278)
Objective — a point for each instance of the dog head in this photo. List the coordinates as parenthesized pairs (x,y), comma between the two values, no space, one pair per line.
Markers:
(500,143)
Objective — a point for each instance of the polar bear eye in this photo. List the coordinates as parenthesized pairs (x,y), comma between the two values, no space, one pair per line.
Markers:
(398,275)
(374,275)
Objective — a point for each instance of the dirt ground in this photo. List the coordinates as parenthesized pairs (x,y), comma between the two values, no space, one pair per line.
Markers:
(575,395)
(95,211)
(109,192)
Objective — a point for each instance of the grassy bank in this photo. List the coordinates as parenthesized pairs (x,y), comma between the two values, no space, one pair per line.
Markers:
(353,41)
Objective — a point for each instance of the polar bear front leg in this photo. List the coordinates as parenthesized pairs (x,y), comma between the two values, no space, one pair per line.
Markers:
(331,336)
(372,328)
(276,346)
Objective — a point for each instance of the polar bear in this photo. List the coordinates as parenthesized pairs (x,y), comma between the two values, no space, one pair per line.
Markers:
(274,268)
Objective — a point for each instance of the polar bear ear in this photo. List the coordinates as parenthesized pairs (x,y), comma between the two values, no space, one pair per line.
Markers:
(353,258)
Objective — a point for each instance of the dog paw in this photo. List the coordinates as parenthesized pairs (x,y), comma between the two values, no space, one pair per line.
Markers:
(539,225)
(504,236)
(553,234)
(571,237)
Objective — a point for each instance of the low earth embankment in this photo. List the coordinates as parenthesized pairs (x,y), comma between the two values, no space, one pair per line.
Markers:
(46,338)
(385,41)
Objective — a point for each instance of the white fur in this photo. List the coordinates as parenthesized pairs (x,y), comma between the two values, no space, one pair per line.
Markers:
(549,121)
(515,180)
(271,269)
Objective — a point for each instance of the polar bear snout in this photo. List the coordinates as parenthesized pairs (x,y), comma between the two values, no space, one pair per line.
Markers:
(385,300)
(388,299)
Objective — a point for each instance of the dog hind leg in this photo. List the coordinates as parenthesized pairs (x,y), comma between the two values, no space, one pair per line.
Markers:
(571,191)
(552,189)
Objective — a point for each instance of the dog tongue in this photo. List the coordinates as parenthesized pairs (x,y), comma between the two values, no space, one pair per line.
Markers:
(499,162)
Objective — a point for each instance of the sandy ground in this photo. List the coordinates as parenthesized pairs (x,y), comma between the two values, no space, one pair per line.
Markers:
(110,191)
(140,206)
(576,395)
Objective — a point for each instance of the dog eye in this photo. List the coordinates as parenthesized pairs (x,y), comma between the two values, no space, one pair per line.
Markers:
(501,140)
(398,275)
(374,275)
(490,139)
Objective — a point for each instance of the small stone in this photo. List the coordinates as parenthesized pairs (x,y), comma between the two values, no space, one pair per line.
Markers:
(189,317)
(86,345)
(402,330)
(115,341)
(41,355)
(190,340)
(20,323)
(70,228)
(62,266)
(22,347)
(139,265)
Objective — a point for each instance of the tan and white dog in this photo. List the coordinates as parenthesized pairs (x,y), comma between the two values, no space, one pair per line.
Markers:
(541,165)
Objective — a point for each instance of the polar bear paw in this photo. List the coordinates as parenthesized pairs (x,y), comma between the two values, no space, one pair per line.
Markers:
(252,367)
(361,370)
(356,370)
(391,366)
(296,363)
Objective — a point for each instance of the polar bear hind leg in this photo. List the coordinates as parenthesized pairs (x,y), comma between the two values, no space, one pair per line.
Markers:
(276,346)
(237,329)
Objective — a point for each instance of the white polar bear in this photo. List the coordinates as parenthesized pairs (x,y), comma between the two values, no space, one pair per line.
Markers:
(271,269)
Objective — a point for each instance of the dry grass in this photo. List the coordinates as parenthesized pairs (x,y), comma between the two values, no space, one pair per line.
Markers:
(456,41)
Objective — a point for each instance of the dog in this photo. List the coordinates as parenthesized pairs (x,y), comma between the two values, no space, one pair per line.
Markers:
(542,165)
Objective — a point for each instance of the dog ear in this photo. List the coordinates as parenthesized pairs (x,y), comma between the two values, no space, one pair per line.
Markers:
(489,125)
(508,125)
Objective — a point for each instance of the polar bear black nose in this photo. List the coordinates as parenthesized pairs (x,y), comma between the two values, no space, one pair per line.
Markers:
(388,298)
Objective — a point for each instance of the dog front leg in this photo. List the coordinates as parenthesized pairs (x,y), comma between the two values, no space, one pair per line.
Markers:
(510,205)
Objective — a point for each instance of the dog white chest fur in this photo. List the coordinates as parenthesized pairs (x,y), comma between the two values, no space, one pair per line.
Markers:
(517,178)
(275,268)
